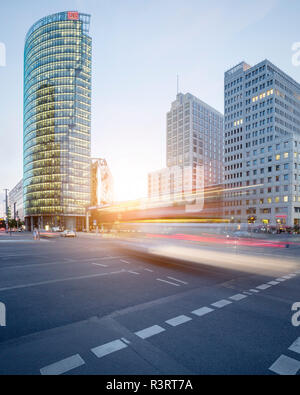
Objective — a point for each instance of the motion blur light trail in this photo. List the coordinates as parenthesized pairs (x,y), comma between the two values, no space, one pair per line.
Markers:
(223,240)
(227,260)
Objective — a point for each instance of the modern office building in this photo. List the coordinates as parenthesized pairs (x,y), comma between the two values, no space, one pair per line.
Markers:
(177,184)
(194,152)
(195,137)
(262,145)
(15,202)
(57,120)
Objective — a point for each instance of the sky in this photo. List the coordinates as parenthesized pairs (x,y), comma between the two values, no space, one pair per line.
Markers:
(139,47)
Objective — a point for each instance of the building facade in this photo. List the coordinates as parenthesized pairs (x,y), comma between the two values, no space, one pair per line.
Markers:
(195,137)
(57,120)
(262,145)
(177,184)
(15,202)
(194,151)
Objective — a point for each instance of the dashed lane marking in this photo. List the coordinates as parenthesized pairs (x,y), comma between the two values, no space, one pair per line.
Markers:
(263,287)
(125,341)
(149,270)
(60,280)
(274,282)
(221,303)
(295,347)
(280,280)
(149,332)
(64,366)
(136,273)
(238,297)
(99,264)
(179,281)
(167,282)
(285,366)
(182,319)
(123,261)
(108,348)
(203,311)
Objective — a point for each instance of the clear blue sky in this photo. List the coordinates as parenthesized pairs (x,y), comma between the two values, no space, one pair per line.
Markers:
(139,46)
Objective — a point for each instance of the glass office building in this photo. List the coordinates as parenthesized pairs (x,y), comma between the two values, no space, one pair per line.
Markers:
(57,121)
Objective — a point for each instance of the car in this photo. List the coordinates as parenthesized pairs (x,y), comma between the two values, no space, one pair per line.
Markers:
(56,229)
(68,233)
(44,234)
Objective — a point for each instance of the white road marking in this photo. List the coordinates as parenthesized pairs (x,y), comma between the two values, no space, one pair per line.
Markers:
(295,347)
(221,303)
(285,366)
(123,261)
(125,341)
(64,366)
(101,259)
(281,280)
(24,241)
(287,277)
(263,287)
(108,348)
(131,272)
(149,332)
(179,281)
(99,264)
(254,291)
(202,311)
(238,297)
(35,265)
(61,280)
(167,282)
(182,319)
(274,283)
(148,270)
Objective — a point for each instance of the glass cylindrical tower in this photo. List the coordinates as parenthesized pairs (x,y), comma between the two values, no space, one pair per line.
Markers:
(57,121)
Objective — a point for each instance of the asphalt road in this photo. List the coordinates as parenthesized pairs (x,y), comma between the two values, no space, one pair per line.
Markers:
(85,306)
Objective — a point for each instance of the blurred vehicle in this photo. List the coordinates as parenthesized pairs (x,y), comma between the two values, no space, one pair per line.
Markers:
(47,234)
(68,233)
(56,229)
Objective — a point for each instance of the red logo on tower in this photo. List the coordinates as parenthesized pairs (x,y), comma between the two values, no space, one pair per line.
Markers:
(73,16)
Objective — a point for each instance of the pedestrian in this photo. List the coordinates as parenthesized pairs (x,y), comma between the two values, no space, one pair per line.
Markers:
(34,234)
